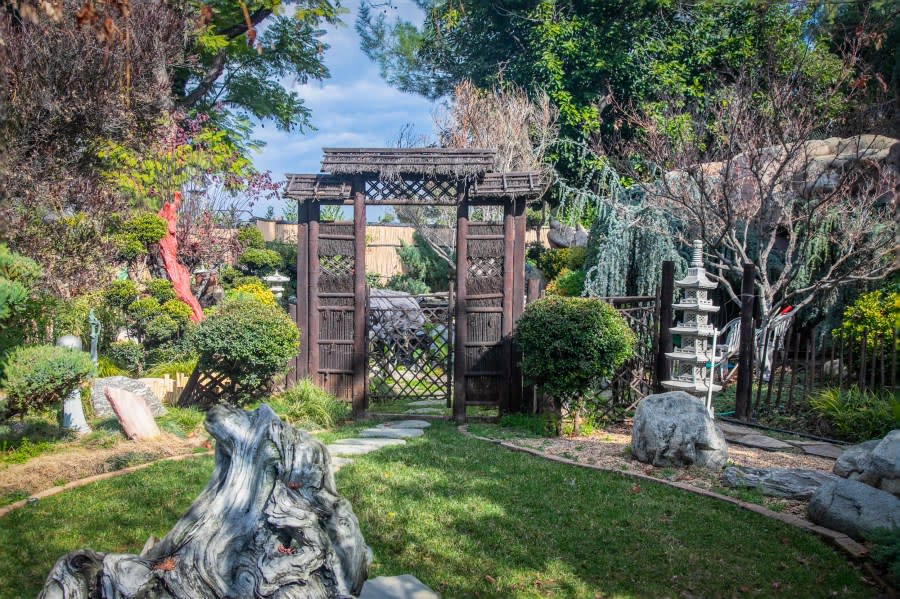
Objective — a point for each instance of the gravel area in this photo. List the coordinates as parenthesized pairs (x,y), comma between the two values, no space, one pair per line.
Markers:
(610,449)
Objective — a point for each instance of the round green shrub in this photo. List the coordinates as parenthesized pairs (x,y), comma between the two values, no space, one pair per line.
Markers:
(16,267)
(259,260)
(128,246)
(37,377)
(121,293)
(178,311)
(127,355)
(569,283)
(146,228)
(145,309)
(249,343)
(161,329)
(569,344)
(553,261)
(250,237)
(161,289)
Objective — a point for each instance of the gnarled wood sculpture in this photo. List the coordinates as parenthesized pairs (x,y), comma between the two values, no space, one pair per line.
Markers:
(268,524)
(168,249)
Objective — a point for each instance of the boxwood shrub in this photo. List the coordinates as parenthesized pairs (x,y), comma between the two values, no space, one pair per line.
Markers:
(37,377)
(248,342)
(569,345)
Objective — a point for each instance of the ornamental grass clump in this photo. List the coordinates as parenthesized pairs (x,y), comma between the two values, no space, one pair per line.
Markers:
(249,343)
(40,376)
(306,404)
(569,345)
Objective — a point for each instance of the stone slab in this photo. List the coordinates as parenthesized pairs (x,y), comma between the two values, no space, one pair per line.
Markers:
(338,463)
(734,429)
(370,442)
(793,483)
(823,450)
(405,586)
(101,406)
(392,433)
(762,442)
(133,413)
(430,411)
(338,449)
(405,424)
(441,403)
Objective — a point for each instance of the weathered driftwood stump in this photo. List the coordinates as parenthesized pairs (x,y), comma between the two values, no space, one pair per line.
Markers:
(268,524)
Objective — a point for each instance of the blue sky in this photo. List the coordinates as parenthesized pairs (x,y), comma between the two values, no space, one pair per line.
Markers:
(353,108)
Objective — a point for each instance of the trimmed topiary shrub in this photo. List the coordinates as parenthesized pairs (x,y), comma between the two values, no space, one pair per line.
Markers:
(37,377)
(161,329)
(260,260)
(145,309)
(250,237)
(127,355)
(569,345)
(249,343)
(120,294)
(253,291)
(161,289)
(178,311)
(569,283)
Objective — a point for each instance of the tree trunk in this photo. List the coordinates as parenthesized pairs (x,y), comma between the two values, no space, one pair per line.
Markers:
(268,524)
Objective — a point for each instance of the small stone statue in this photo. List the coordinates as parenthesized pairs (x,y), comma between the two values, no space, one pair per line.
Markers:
(72,412)
(94,323)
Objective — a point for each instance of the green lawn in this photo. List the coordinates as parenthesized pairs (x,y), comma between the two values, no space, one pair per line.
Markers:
(474,520)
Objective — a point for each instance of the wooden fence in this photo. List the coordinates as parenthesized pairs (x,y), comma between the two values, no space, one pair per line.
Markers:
(167,389)
(802,363)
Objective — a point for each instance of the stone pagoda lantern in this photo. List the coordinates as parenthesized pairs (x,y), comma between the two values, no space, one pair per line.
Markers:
(276,284)
(693,361)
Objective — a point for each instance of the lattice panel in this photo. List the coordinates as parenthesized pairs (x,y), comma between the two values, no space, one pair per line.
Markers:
(634,380)
(336,273)
(409,352)
(427,191)
(486,267)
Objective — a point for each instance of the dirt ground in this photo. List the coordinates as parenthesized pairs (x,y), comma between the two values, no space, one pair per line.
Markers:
(610,449)
(73,461)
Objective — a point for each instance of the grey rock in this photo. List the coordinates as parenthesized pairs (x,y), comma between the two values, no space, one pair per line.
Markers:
(371,442)
(792,483)
(854,508)
(392,433)
(428,411)
(884,465)
(405,424)
(674,429)
(761,442)
(855,460)
(338,449)
(431,403)
(101,406)
(405,586)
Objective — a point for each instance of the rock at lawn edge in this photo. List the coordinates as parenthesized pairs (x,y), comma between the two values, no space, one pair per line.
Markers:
(875,462)
(674,429)
(792,483)
(854,508)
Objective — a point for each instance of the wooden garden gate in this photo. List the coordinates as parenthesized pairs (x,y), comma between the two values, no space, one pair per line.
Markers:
(331,308)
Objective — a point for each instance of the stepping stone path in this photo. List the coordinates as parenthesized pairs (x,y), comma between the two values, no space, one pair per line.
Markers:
(428,403)
(432,411)
(751,437)
(373,439)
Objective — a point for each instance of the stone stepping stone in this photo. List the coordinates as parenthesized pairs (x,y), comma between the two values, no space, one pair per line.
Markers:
(762,442)
(392,433)
(405,586)
(429,411)
(405,424)
(351,449)
(428,403)
(734,430)
(823,450)
(371,441)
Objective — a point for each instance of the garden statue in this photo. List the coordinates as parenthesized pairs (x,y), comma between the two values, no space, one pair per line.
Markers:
(269,523)
(72,412)
(94,323)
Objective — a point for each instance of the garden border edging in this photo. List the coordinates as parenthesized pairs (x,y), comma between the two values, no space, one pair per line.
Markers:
(92,479)
(855,549)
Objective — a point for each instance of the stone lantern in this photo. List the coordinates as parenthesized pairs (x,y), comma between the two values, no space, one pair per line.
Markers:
(276,282)
(693,360)
(72,413)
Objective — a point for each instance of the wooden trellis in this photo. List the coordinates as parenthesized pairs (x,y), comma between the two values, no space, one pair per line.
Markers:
(490,265)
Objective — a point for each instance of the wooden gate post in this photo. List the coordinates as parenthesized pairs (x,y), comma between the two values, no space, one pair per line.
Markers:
(743,389)
(360,307)
(314,314)
(664,334)
(303,287)
(462,273)
(516,389)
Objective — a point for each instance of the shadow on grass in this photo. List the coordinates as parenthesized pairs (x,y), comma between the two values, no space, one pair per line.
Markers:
(471,519)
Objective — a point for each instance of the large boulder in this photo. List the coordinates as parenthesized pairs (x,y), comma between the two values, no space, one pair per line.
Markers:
(675,429)
(875,463)
(791,483)
(854,508)
(102,408)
